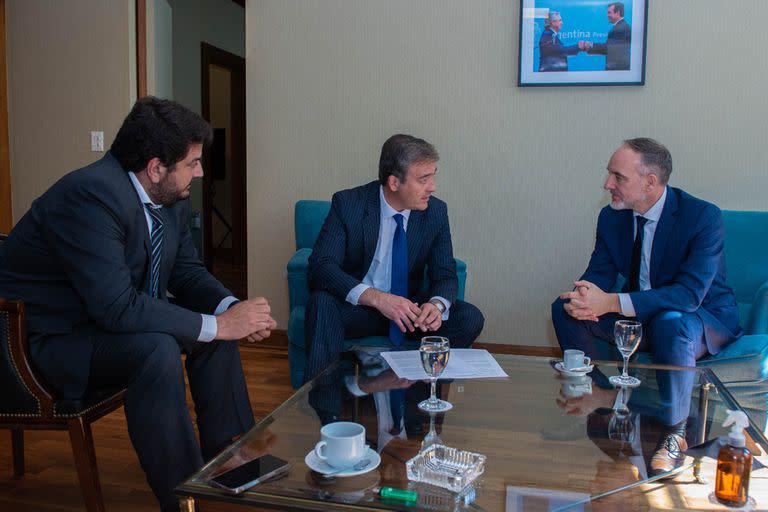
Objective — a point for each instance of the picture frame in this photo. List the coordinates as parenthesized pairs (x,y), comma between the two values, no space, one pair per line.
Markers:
(582,42)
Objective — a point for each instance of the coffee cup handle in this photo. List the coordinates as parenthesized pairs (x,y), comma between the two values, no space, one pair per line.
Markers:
(319,449)
(587,361)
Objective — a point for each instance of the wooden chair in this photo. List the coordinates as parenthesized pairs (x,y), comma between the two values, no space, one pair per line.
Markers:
(26,402)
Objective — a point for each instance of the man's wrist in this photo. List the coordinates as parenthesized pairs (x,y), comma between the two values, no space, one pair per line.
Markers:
(439,305)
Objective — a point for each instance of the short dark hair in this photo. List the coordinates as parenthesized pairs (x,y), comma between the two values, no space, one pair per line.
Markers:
(618,7)
(158,128)
(654,156)
(399,152)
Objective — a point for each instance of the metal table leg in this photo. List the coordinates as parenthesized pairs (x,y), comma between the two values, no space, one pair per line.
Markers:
(703,403)
(187,504)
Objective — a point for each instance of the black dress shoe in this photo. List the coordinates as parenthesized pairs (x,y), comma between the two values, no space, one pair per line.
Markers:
(669,454)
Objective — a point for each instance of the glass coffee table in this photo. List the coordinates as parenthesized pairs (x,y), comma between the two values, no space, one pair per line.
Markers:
(552,442)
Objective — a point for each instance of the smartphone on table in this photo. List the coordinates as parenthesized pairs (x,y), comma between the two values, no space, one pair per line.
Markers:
(241,478)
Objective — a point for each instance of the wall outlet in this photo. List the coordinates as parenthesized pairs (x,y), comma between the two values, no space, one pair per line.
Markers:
(97,141)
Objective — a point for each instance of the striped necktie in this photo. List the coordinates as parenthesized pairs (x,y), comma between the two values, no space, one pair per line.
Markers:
(156,238)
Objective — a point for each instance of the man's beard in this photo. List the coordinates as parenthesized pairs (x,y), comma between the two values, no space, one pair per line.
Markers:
(166,194)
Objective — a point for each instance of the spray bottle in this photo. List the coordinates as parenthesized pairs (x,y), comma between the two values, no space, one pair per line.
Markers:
(734,463)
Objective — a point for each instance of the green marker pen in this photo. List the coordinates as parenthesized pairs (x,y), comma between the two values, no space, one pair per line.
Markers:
(398,494)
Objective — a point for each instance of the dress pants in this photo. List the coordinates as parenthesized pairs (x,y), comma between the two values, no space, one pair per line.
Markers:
(329,321)
(672,338)
(159,424)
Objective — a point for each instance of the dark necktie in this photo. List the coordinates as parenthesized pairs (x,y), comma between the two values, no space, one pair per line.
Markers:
(399,286)
(637,255)
(156,239)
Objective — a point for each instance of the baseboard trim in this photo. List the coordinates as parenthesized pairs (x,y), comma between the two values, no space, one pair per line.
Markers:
(279,339)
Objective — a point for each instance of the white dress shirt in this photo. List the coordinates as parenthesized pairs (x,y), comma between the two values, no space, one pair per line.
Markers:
(653,215)
(209,326)
(379,274)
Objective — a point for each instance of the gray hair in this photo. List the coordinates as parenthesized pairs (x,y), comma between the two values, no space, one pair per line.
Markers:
(400,152)
(654,156)
(552,16)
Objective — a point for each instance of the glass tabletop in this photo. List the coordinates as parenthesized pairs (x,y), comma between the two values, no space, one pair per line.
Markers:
(551,441)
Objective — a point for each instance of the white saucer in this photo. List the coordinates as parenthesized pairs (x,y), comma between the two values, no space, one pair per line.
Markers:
(319,466)
(575,372)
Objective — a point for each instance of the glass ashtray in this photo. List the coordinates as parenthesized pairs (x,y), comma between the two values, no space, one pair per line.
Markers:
(446,467)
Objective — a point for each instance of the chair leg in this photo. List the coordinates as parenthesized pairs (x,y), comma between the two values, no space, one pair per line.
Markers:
(85,461)
(17,444)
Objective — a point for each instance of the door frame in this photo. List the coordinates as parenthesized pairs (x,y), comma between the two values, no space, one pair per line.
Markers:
(210,54)
(6,210)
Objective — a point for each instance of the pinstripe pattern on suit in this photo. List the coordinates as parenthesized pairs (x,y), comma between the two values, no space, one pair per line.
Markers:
(341,257)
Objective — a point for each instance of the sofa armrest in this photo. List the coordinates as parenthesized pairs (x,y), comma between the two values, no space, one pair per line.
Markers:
(758,315)
(298,286)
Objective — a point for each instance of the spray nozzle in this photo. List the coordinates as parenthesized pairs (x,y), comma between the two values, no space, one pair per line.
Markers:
(738,421)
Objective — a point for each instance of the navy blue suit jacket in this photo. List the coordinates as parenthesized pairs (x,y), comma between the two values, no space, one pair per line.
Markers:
(553,54)
(687,267)
(347,241)
(617,47)
(79,259)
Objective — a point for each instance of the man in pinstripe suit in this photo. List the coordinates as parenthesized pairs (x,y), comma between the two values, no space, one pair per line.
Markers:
(350,270)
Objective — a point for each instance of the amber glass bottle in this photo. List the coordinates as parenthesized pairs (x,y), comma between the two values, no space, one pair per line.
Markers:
(734,464)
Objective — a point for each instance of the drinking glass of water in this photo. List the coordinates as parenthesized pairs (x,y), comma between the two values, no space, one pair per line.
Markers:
(628,334)
(434,351)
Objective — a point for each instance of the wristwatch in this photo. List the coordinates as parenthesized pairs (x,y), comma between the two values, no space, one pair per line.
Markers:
(439,305)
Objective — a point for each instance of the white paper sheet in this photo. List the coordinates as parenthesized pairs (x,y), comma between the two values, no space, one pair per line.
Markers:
(464,363)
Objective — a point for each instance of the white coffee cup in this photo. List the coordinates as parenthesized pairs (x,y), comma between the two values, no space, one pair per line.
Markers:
(573,359)
(342,444)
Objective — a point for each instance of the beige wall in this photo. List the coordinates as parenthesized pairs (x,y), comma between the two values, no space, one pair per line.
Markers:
(521,168)
(68,73)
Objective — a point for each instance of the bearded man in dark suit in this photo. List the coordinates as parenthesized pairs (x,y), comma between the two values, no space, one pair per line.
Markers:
(95,260)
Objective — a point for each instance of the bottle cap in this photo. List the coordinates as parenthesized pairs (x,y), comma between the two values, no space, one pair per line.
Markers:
(738,421)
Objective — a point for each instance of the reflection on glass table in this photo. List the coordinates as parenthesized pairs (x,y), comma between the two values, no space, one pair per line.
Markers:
(589,445)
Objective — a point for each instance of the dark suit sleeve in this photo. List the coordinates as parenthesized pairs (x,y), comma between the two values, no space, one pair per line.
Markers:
(695,276)
(602,269)
(549,47)
(190,282)
(325,264)
(620,35)
(441,266)
(88,237)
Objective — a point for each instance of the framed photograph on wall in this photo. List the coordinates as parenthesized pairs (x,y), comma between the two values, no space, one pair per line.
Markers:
(582,42)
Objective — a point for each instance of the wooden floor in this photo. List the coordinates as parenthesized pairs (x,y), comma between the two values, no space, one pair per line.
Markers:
(51,481)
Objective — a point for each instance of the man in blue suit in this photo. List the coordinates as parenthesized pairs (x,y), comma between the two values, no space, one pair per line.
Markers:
(618,46)
(668,245)
(367,266)
(553,54)
(94,260)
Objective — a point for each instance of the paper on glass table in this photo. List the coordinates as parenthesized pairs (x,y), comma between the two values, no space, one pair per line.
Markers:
(464,363)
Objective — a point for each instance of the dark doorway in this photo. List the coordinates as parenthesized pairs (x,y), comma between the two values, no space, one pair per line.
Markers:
(224,184)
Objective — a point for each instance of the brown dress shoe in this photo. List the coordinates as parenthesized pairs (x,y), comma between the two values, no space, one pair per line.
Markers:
(669,454)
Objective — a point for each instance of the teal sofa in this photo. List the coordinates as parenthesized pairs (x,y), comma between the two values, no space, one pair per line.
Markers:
(308,219)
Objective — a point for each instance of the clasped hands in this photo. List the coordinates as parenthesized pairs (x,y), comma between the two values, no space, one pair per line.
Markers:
(588,302)
(407,315)
(248,319)
(585,45)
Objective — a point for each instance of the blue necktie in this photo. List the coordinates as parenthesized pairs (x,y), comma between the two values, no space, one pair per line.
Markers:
(156,238)
(399,286)
(637,255)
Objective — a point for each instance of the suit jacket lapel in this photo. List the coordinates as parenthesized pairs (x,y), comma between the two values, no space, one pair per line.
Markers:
(371,221)
(414,235)
(627,230)
(660,238)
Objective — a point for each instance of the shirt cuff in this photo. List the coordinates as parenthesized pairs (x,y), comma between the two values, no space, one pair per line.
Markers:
(627,308)
(351,382)
(354,294)
(208,329)
(447,305)
(224,304)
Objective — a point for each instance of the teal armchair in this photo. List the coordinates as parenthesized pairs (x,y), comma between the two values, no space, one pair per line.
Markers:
(743,364)
(309,218)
